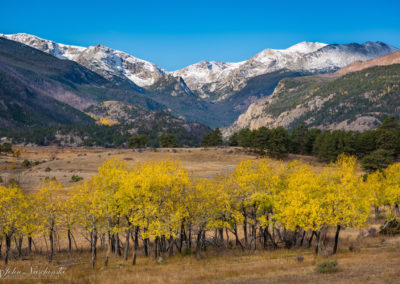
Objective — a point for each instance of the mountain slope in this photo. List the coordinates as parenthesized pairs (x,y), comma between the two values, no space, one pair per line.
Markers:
(204,73)
(305,57)
(127,120)
(389,59)
(21,105)
(215,93)
(139,119)
(181,101)
(355,101)
(112,64)
(213,80)
(37,88)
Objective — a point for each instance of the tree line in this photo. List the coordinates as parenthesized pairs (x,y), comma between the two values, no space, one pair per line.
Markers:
(104,135)
(156,206)
(375,148)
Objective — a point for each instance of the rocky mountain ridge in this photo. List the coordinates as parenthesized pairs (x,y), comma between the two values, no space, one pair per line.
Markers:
(103,60)
(225,79)
(214,93)
(357,97)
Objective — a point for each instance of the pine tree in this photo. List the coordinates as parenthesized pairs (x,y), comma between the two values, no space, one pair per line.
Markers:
(168,141)
(278,144)
(213,138)
(299,139)
(138,141)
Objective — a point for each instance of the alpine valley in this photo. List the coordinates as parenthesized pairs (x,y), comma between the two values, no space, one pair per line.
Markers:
(329,86)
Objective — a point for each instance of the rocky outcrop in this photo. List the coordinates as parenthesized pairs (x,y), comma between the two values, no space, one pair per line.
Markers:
(219,80)
(352,101)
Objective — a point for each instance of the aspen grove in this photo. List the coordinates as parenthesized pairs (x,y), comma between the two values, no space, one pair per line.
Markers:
(157,209)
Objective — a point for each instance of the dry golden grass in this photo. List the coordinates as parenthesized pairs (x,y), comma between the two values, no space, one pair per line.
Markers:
(65,162)
(372,261)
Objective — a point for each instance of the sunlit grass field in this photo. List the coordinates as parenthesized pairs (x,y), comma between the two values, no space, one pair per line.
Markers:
(362,256)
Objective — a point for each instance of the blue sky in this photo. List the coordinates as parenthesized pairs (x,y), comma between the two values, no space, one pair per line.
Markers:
(176,33)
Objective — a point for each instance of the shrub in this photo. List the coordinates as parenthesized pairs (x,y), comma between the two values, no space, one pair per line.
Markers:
(26,163)
(13,182)
(48,169)
(327,267)
(36,163)
(1,180)
(76,178)
(52,178)
(391,227)
(186,252)
(6,147)
(299,258)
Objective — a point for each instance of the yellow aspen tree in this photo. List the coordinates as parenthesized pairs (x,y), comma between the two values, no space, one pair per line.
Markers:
(392,185)
(50,199)
(109,179)
(376,184)
(69,215)
(29,223)
(209,208)
(347,200)
(299,203)
(11,199)
(236,217)
(152,196)
(88,200)
(255,182)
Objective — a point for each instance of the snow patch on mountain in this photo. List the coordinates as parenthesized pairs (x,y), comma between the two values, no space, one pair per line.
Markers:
(308,57)
(113,62)
(59,50)
(210,79)
(206,72)
(305,47)
(103,60)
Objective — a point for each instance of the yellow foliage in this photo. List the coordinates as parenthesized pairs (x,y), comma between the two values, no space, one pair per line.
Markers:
(160,198)
(106,121)
(11,209)
(103,120)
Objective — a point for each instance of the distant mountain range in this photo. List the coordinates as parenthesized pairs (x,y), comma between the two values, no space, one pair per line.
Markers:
(41,89)
(214,93)
(224,79)
(357,97)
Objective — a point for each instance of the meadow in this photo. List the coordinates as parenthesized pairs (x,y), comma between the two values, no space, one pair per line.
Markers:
(278,245)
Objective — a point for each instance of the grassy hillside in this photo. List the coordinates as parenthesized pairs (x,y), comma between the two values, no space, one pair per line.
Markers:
(173,93)
(374,92)
(39,89)
(153,124)
(22,106)
(356,101)
(257,87)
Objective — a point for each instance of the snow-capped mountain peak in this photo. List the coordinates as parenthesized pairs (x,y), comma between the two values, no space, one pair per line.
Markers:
(101,59)
(217,80)
(111,62)
(306,47)
(62,51)
(304,57)
(206,72)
